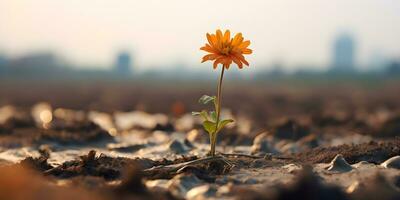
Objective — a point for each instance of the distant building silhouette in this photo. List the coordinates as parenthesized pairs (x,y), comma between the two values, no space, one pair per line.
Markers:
(343,58)
(394,68)
(123,64)
(3,63)
(47,65)
(37,64)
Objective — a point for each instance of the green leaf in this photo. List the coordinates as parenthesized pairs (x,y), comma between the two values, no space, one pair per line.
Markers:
(203,114)
(213,116)
(209,126)
(223,123)
(205,99)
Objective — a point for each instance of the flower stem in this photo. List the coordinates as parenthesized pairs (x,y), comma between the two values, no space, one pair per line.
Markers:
(213,136)
(212,144)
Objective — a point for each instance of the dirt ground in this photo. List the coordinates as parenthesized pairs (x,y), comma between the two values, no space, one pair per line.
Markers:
(118,142)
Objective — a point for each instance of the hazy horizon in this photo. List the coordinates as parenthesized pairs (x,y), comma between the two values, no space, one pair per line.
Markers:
(170,33)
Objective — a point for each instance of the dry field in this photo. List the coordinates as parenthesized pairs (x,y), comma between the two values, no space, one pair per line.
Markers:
(103,140)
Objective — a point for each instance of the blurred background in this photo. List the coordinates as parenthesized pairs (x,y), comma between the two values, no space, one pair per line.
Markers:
(125,55)
(122,77)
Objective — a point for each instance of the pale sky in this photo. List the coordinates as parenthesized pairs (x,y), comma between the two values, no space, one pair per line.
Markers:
(168,32)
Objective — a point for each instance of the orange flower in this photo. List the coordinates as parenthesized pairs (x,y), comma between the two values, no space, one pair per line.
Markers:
(225,50)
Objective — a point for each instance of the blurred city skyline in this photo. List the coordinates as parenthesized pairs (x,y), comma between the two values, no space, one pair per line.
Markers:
(169,33)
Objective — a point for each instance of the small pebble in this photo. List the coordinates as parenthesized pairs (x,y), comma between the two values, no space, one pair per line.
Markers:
(363,164)
(261,145)
(157,184)
(201,192)
(291,168)
(188,143)
(225,190)
(182,183)
(339,164)
(393,162)
(193,136)
(177,147)
(250,181)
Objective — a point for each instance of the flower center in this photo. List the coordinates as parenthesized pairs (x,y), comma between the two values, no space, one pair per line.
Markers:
(226,48)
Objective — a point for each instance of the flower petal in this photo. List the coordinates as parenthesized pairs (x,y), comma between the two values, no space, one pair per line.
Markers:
(209,39)
(208,48)
(214,41)
(217,61)
(241,58)
(247,51)
(237,61)
(237,39)
(210,57)
(227,36)
(219,39)
(244,44)
(227,62)
(219,35)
